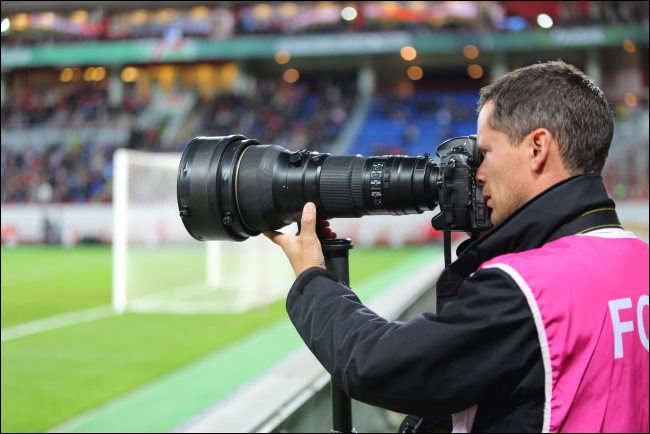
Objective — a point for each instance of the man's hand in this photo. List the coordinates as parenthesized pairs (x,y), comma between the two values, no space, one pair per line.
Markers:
(304,250)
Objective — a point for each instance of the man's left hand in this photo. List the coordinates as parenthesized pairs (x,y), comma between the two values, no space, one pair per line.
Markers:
(304,250)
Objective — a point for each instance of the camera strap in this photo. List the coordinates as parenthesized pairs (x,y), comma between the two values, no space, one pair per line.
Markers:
(451,279)
(591,220)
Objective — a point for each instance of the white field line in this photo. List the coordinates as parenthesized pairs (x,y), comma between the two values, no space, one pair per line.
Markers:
(55,322)
(75,317)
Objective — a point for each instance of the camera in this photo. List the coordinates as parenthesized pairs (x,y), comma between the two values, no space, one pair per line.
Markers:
(232,187)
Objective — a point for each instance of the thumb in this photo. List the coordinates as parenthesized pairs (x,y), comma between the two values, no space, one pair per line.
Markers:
(277,237)
(308,221)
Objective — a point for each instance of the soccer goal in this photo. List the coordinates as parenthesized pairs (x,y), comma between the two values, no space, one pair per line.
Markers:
(159,268)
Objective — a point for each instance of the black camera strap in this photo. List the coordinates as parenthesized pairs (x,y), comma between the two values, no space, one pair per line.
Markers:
(600,218)
(450,280)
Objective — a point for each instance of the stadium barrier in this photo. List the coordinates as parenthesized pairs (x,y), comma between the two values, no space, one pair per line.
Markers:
(76,223)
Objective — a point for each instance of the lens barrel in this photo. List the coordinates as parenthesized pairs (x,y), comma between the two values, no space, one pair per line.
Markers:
(231,188)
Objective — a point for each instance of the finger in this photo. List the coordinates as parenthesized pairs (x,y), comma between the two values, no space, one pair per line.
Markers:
(327,233)
(275,236)
(308,221)
(324,224)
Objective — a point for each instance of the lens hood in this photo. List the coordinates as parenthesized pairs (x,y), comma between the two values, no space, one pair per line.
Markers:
(206,188)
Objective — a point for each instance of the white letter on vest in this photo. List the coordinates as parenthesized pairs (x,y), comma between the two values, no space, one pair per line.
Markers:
(620,327)
(643,335)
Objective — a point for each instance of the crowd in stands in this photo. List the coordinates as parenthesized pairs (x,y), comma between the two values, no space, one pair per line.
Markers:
(627,177)
(61,173)
(416,124)
(70,104)
(296,116)
(241,19)
(569,13)
(305,115)
(299,116)
(65,171)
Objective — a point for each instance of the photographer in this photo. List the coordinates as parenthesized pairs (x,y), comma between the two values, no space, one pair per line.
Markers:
(546,328)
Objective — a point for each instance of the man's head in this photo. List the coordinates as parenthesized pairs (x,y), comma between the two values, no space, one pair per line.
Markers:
(537,126)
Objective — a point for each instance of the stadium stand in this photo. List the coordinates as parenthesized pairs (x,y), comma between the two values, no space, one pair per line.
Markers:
(298,115)
(417,123)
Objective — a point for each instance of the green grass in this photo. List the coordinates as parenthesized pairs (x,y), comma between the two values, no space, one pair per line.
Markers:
(51,376)
(43,281)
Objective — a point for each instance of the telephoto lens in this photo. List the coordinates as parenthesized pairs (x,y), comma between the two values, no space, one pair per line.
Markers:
(232,187)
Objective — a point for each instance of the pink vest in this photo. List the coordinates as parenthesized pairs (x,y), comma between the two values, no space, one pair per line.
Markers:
(589,299)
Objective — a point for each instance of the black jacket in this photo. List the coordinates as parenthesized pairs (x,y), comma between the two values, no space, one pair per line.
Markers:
(480,349)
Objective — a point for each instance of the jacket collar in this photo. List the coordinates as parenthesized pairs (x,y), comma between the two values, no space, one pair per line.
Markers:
(532,225)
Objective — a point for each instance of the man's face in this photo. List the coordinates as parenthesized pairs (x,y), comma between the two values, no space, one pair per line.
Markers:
(504,172)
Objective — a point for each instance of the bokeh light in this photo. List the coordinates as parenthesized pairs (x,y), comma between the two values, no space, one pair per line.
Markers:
(408,53)
(475,71)
(291,75)
(414,73)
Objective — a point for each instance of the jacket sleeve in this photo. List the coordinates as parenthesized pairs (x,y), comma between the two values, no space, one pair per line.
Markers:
(429,366)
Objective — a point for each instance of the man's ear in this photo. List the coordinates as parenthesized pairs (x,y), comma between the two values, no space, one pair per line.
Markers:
(539,144)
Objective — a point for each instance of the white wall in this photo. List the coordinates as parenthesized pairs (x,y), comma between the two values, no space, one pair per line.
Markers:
(151,225)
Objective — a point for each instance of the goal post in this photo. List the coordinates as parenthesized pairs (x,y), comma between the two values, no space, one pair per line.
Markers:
(159,268)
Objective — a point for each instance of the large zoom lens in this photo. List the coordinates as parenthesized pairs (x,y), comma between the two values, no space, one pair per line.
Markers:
(230,188)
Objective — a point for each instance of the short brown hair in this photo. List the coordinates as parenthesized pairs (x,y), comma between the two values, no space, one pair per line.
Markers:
(560,98)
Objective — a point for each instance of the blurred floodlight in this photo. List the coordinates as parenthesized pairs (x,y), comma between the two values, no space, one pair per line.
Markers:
(99,73)
(390,6)
(129,74)
(262,12)
(408,53)
(6,25)
(282,57)
(79,17)
(166,76)
(20,22)
(629,46)
(139,17)
(288,10)
(165,15)
(475,71)
(349,13)
(470,51)
(414,72)
(291,75)
(89,74)
(229,73)
(544,21)
(66,75)
(204,75)
(199,13)
(630,99)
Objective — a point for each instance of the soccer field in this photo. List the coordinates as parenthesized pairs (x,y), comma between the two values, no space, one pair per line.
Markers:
(53,375)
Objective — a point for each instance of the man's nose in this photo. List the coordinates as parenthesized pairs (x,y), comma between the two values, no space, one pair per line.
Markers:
(480,175)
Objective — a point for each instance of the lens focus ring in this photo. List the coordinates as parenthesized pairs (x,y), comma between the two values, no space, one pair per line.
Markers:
(337,191)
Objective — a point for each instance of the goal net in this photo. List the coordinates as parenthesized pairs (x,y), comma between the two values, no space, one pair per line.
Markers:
(158,267)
